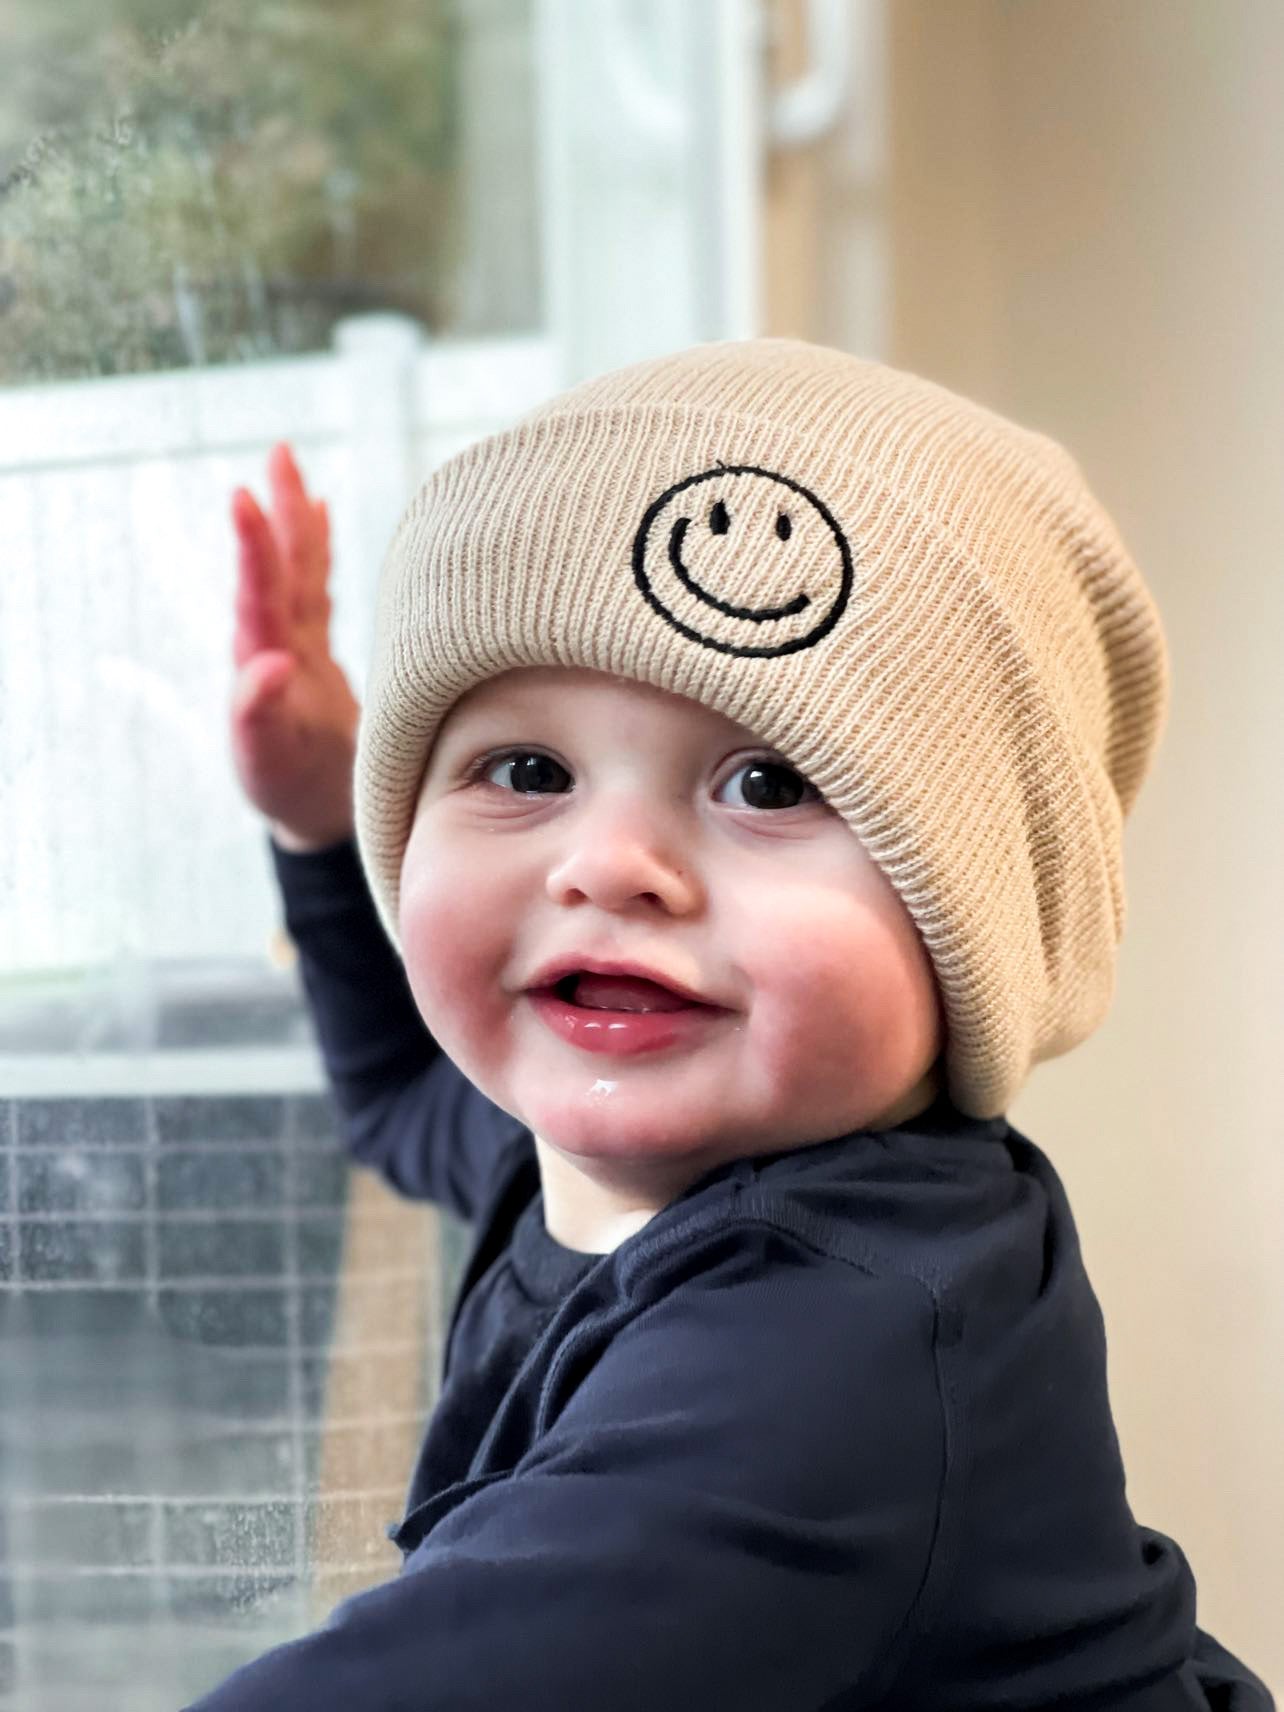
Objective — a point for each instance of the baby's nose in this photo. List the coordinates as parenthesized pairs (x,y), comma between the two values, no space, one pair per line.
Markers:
(621,856)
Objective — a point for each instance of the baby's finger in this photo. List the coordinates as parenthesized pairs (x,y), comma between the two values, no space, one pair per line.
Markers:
(259,685)
(292,512)
(304,536)
(320,549)
(262,613)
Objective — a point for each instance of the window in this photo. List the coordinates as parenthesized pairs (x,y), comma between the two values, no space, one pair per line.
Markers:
(219,226)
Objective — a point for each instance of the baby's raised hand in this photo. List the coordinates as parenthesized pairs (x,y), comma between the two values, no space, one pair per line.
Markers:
(293,714)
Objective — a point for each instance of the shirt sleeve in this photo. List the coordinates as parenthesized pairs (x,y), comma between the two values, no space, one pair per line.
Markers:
(406,1108)
(730,1506)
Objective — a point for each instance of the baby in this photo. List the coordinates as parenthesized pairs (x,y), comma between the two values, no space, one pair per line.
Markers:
(737,806)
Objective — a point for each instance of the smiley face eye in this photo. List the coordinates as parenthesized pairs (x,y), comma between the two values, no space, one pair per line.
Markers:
(784,528)
(719,522)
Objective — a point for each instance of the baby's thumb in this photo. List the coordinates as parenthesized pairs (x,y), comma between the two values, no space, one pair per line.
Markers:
(259,685)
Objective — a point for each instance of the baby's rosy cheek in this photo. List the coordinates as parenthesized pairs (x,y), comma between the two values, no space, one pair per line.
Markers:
(454,949)
(809,962)
(435,936)
(436,888)
(811,999)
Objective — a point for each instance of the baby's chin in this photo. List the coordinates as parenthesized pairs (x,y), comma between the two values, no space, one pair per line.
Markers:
(606,1119)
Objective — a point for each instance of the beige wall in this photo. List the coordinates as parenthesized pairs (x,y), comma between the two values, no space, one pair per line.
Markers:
(1081,212)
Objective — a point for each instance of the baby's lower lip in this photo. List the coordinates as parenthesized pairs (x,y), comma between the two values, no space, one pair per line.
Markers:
(621,1033)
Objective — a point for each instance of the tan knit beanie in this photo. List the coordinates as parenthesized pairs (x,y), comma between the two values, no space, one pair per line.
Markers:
(915,601)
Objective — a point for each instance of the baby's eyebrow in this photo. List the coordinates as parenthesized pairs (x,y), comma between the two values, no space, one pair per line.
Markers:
(473,727)
(476,728)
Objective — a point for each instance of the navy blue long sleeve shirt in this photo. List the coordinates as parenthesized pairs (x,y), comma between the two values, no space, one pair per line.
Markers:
(830,1432)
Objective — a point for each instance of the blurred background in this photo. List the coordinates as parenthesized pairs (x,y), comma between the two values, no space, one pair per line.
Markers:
(379,232)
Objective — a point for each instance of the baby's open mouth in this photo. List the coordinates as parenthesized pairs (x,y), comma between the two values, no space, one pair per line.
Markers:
(622,1012)
(619,993)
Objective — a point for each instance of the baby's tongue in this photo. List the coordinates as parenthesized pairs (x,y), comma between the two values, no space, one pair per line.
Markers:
(625,993)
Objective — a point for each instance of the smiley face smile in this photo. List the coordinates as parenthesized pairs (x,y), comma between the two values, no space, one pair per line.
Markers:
(755,615)
(743,560)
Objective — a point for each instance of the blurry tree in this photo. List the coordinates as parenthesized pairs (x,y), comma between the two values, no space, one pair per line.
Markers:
(185,182)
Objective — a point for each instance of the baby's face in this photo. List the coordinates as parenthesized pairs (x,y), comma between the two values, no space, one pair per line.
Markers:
(568,819)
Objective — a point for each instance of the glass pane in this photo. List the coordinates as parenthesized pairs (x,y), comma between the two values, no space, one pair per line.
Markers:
(207,1418)
(188,183)
(220,225)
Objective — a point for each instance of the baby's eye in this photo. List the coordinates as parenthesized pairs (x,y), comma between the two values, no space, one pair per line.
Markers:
(770,784)
(532,774)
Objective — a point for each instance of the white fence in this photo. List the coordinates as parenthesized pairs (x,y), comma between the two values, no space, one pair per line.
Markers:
(123,835)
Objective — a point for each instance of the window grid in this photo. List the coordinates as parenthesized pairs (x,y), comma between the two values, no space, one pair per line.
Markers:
(181,1442)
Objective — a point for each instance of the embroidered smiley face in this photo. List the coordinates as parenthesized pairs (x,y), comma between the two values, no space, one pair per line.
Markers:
(743,560)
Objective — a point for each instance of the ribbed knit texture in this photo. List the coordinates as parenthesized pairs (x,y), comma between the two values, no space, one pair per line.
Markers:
(914,600)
